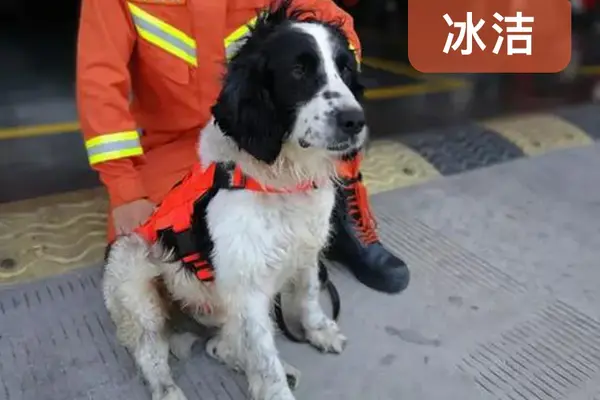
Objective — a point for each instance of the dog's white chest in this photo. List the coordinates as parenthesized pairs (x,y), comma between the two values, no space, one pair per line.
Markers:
(268,232)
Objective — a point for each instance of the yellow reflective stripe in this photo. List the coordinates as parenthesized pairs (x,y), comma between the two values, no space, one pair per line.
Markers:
(163,35)
(113,146)
(232,38)
(239,32)
(155,40)
(138,12)
(353,50)
(114,155)
(112,137)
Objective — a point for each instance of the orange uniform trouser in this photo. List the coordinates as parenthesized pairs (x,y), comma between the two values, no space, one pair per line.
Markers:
(168,157)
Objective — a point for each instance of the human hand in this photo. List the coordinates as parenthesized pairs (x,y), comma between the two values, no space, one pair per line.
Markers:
(129,216)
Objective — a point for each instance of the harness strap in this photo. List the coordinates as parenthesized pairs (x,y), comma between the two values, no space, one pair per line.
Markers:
(224,176)
(185,249)
(228,176)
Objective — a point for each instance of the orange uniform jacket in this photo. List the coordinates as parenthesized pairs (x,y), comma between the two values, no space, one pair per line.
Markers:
(148,72)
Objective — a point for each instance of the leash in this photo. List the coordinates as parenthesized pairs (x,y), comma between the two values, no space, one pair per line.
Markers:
(326,284)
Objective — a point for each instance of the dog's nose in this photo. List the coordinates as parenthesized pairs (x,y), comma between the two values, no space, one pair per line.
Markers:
(351,121)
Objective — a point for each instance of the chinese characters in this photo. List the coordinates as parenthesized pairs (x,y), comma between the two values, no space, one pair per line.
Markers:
(517,35)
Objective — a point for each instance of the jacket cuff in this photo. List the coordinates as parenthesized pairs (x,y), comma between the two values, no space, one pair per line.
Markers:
(125,190)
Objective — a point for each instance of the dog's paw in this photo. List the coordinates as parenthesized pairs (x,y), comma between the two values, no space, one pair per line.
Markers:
(292,374)
(170,392)
(327,337)
(220,351)
(181,344)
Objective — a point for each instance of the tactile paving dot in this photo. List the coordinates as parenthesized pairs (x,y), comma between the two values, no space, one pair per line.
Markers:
(538,134)
(390,165)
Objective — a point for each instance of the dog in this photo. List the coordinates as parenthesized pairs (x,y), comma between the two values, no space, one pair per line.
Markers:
(289,109)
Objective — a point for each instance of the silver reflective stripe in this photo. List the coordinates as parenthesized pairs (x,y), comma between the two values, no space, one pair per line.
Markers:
(102,148)
(164,36)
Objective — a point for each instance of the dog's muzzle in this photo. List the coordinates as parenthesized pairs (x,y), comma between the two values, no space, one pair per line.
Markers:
(350,122)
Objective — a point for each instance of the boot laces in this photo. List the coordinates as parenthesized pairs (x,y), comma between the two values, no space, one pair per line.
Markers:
(360,211)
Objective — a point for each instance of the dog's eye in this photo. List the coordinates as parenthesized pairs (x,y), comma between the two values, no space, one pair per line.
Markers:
(298,71)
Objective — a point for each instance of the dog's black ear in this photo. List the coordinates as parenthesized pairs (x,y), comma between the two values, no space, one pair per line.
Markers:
(245,111)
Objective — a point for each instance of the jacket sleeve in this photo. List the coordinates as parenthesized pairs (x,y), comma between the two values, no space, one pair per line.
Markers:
(327,10)
(105,43)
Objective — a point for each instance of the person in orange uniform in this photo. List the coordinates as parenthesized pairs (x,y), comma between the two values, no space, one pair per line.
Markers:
(148,72)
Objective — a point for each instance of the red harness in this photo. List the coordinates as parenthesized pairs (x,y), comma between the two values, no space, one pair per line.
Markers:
(179,222)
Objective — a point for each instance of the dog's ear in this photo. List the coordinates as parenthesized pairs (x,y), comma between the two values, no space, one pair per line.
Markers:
(245,111)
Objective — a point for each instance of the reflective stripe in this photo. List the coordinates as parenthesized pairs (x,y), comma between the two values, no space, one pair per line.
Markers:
(114,155)
(353,50)
(163,35)
(112,137)
(113,146)
(233,43)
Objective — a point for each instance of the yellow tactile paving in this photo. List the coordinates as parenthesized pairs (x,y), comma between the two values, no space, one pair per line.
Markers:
(54,234)
(539,133)
(390,165)
(49,235)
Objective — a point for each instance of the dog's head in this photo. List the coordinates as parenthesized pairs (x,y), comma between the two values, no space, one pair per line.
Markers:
(294,80)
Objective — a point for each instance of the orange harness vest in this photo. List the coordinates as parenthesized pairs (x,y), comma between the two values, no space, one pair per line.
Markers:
(179,221)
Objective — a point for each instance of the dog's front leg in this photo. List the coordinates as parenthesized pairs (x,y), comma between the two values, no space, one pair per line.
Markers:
(247,339)
(151,354)
(321,331)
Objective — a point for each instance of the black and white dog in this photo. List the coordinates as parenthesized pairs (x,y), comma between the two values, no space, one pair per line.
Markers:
(288,111)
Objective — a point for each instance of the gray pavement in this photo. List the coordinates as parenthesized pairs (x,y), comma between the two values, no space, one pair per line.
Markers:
(504,304)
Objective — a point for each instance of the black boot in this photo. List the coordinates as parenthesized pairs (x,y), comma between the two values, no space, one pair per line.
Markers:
(355,242)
